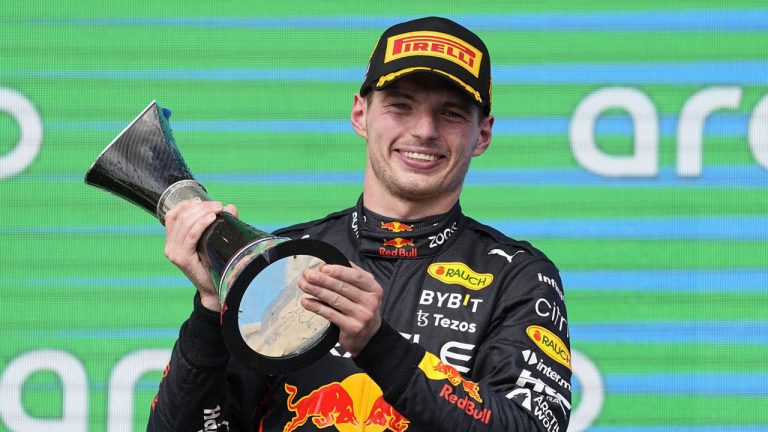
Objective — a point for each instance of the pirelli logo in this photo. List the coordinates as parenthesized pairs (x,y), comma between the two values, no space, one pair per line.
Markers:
(435,44)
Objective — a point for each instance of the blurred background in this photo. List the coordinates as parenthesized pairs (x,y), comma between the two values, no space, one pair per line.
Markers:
(630,145)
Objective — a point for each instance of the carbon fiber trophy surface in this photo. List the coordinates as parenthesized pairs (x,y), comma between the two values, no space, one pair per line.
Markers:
(142,162)
(256,273)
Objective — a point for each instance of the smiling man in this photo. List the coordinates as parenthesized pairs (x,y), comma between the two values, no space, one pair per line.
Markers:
(421,136)
(445,324)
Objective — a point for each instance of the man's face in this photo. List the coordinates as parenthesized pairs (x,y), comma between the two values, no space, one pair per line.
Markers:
(421,133)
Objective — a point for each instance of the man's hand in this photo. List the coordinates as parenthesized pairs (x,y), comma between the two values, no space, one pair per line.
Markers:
(347,297)
(184,225)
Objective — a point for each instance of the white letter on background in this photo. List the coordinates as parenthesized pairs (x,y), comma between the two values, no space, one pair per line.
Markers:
(643,163)
(31,133)
(690,125)
(124,376)
(74,381)
(758,132)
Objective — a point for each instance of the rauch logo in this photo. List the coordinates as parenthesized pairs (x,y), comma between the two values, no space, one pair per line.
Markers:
(550,344)
(459,274)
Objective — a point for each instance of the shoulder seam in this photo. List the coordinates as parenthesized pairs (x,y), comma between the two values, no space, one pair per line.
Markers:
(502,238)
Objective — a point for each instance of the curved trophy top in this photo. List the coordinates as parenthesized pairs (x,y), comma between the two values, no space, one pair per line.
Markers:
(141,162)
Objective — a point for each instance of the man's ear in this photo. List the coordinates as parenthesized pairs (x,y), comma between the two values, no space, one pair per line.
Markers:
(484,137)
(359,111)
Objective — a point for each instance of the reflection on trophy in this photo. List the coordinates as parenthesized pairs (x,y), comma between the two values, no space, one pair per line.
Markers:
(256,273)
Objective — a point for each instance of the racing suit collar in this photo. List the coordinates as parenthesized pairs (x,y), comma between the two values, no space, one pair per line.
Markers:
(386,237)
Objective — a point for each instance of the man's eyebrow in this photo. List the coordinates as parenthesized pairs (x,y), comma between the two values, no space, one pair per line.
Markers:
(395,93)
(458,105)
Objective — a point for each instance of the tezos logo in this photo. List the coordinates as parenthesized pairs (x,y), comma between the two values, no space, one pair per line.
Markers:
(459,274)
(550,344)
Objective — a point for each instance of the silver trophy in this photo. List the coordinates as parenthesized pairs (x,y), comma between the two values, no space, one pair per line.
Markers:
(256,273)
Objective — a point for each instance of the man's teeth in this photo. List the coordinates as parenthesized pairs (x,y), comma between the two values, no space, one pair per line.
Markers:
(419,156)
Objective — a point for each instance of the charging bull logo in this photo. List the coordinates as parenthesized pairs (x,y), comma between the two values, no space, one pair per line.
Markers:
(383,414)
(397,227)
(355,404)
(328,405)
(435,369)
(446,371)
(165,374)
(398,242)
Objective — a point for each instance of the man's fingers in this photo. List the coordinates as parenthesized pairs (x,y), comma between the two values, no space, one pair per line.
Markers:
(333,315)
(188,225)
(331,297)
(189,207)
(231,209)
(347,297)
(354,276)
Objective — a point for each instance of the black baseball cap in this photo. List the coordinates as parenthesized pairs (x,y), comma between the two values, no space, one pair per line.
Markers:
(434,45)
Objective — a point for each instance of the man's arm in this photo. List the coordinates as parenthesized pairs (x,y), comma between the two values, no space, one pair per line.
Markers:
(516,383)
(201,387)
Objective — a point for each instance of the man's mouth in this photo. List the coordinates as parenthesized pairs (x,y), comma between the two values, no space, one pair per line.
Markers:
(419,156)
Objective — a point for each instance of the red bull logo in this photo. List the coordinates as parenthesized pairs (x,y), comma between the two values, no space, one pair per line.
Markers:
(165,374)
(454,377)
(398,243)
(435,369)
(326,406)
(343,405)
(396,226)
(383,414)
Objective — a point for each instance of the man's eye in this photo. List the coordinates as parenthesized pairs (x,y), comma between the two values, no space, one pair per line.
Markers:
(399,105)
(453,115)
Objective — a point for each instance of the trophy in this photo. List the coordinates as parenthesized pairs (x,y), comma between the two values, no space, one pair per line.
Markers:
(256,274)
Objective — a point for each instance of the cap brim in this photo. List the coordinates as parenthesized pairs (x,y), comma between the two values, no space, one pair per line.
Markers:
(389,78)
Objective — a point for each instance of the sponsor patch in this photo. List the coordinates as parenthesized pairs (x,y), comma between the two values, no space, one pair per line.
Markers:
(441,237)
(434,369)
(500,252)
(531,358)
(459,274)
(434,44)
(354,404)
(550,344)
(397,227)
(449,300)
(398,243)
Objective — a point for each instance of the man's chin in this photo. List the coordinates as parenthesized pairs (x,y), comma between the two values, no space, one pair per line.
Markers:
(418,191)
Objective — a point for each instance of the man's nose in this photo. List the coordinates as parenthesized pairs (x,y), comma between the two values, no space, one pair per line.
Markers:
(425,126)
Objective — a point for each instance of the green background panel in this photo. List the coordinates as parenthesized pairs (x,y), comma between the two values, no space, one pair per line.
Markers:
(665,277)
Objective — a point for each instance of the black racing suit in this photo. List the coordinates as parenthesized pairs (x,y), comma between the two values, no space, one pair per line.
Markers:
(474,337)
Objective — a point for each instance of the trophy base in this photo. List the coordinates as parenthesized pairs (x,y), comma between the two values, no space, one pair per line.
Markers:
(280,336)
